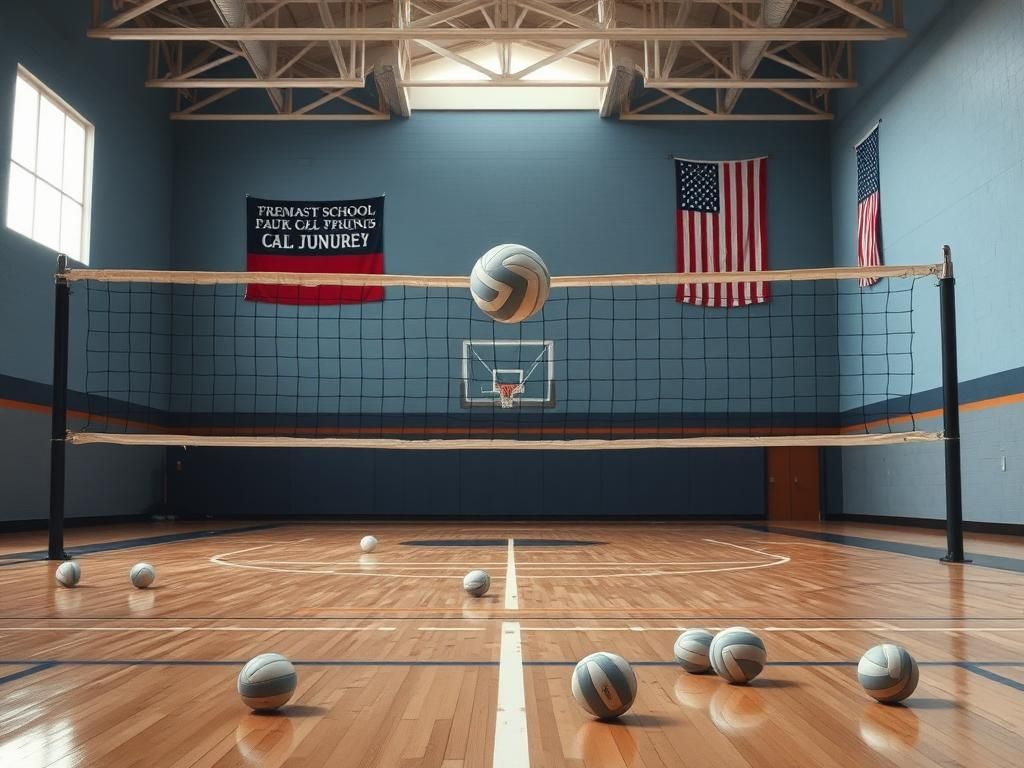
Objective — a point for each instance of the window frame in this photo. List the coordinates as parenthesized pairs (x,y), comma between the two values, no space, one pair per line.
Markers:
(70,113)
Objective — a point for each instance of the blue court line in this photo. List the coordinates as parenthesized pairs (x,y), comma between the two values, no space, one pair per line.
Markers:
(988,674)
(146,541)
(37,667)
(881,545)
(979,668)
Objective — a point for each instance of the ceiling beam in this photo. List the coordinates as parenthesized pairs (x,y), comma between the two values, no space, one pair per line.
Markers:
(131,13)
(748,83)
(705,34)
(279,117)
(454,12)
(250,82)
(731,117)
(505,82)
(860,13)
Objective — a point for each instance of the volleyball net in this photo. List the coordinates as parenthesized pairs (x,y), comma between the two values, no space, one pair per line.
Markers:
(612,361)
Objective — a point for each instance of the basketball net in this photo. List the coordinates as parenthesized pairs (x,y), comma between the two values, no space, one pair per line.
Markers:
(507,393)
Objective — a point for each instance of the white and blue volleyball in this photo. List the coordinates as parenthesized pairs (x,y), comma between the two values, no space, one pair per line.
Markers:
(142,575)
(888,673)
(368,543)
(604,684)
(737,655)
(477,583)
(510,283)
(267,682)
(692,651)
(68,573)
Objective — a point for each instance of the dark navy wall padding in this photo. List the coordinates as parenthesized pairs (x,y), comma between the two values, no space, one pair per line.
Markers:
(272,482)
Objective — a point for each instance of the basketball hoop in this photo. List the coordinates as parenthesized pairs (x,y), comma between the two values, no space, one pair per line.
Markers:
(507,393)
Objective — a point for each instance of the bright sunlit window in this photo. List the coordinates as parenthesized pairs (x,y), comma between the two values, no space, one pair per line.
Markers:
(51,170)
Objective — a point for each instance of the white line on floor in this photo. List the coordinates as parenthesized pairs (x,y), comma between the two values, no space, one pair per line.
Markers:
(451,629)
(511,588)
(198,629)
(873,630)
(893,629)
(511,746)
(462,565)
(747,549)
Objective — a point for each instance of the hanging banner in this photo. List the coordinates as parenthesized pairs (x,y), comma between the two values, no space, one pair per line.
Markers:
(337,236)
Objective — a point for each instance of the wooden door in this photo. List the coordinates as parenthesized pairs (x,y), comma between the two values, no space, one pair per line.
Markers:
(793,484)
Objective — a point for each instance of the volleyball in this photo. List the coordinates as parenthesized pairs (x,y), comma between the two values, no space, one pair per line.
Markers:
(604,684)
(510,283)
(477,583)
(888,673)
(737,655)
(368,543)
(142,575)
(68,573)
(691,651)
(267,681)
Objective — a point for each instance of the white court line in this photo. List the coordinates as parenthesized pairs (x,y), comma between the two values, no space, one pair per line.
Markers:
(370,569)
(809,630)
(198,629)
(511,588)
(968,630)
(449,565)
(603,629)
(451,629)
(511,746)
(746,549)
(216,558)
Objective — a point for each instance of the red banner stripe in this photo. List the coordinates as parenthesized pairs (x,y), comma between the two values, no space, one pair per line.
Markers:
(370,264)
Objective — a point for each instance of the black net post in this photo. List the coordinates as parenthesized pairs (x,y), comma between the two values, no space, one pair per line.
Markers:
(951,413)
(59,417)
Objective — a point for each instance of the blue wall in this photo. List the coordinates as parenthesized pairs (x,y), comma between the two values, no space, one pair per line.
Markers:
(131,214)
(591,196)
(952,155)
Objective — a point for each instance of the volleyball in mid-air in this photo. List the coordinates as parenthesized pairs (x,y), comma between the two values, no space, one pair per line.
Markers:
(510,283)
(368,543)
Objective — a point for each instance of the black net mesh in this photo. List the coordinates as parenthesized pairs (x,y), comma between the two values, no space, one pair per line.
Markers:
(611,363)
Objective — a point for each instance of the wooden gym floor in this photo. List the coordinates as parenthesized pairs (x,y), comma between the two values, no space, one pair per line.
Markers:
(398,667)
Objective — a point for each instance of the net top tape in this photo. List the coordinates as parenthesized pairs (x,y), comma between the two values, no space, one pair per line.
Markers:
(258,441)
(449,281)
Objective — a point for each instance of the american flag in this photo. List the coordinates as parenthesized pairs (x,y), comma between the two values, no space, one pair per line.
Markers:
(869,219)
(722,226)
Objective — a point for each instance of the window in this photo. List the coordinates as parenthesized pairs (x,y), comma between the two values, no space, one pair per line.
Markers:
(51,170)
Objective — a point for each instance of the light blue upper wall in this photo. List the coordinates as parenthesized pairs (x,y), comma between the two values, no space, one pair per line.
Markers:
(132,170)
(590,195)
(131,215)
(952,169)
